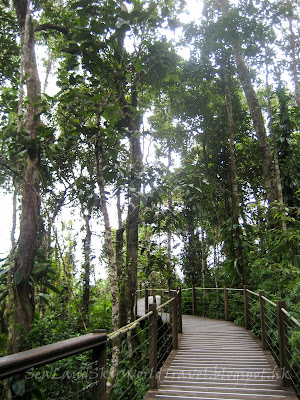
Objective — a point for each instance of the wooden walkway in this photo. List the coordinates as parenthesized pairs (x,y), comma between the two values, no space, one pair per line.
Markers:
(219,360)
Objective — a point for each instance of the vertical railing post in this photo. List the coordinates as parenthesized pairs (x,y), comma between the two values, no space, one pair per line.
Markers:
(204,301)
(246,308)
(146,300)
(194,300)
(174,322)
(135,303)
(226,308)
(154,295)
(283,343)
(153,346)
(179,310)
(99,358)
(263,322)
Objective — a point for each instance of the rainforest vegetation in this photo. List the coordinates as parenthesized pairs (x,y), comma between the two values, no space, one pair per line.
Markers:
(175,144)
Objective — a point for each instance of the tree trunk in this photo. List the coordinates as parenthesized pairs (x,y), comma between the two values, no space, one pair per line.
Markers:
(87,266)
(214,194)
(133,216)
(294,52)
(132,226)
(275,152)
(255,112)
(169,233)
(108,234)
(113,275)
(120,266)
(22,309)
(234,186)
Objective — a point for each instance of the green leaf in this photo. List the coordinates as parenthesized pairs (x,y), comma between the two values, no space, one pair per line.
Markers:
(3,295)
(4,271)
(18,277)
(44,298)
(52,287)
(97,97)
(19,387)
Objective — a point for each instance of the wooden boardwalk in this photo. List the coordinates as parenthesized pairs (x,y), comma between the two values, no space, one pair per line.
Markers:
(218,360)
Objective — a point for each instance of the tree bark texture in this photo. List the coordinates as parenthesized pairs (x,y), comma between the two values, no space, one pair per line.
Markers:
(113,273)
(87,266)
(255,112)
(234,186)
(108,233)
(275,151)
(22,309)
(294,52)
(120,266)
(169,233)
(133,217)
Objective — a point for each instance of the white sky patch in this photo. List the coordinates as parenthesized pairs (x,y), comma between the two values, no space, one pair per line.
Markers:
(194,11)
(6,222)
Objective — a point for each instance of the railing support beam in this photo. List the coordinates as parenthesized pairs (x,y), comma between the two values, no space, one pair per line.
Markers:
(146,299)
(194,300)
(283,343)
(179,310)
(153,346)
(174,321)
(263,323)
(226,307)
(99,358)
(246,308)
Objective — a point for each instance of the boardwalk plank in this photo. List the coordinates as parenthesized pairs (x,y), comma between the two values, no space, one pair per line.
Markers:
(217,360)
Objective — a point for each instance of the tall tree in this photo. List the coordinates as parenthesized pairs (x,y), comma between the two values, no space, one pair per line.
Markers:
(20,285)
(229,16)
(233,172)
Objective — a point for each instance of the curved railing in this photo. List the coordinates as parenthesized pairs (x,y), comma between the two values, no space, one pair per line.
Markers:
(144,344)
(270,321)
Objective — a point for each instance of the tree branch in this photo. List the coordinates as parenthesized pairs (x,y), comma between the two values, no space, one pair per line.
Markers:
(58,28)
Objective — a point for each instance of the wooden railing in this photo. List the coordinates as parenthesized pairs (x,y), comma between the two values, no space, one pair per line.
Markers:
(158,329)
(27,362)
(269,320)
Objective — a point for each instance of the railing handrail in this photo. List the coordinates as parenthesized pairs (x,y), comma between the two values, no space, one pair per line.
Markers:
(134,323)
(163,305)
(128,327)
(21,362)
(290,316)
(269,301)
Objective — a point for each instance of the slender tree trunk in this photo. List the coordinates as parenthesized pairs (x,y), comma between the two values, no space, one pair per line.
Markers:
(169,233)
(275,152)
(294,52)
(21,310)
(234,186)
(216,270)
(214,195)
(48,70)
(113,273)
(120,266)
(132,227)
(87,266)
(133,216)
(255,112)
(10,287)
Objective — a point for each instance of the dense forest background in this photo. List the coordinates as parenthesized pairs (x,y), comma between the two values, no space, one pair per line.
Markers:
(203,152)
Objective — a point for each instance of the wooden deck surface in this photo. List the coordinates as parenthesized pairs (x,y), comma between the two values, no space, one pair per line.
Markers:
(218,360)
